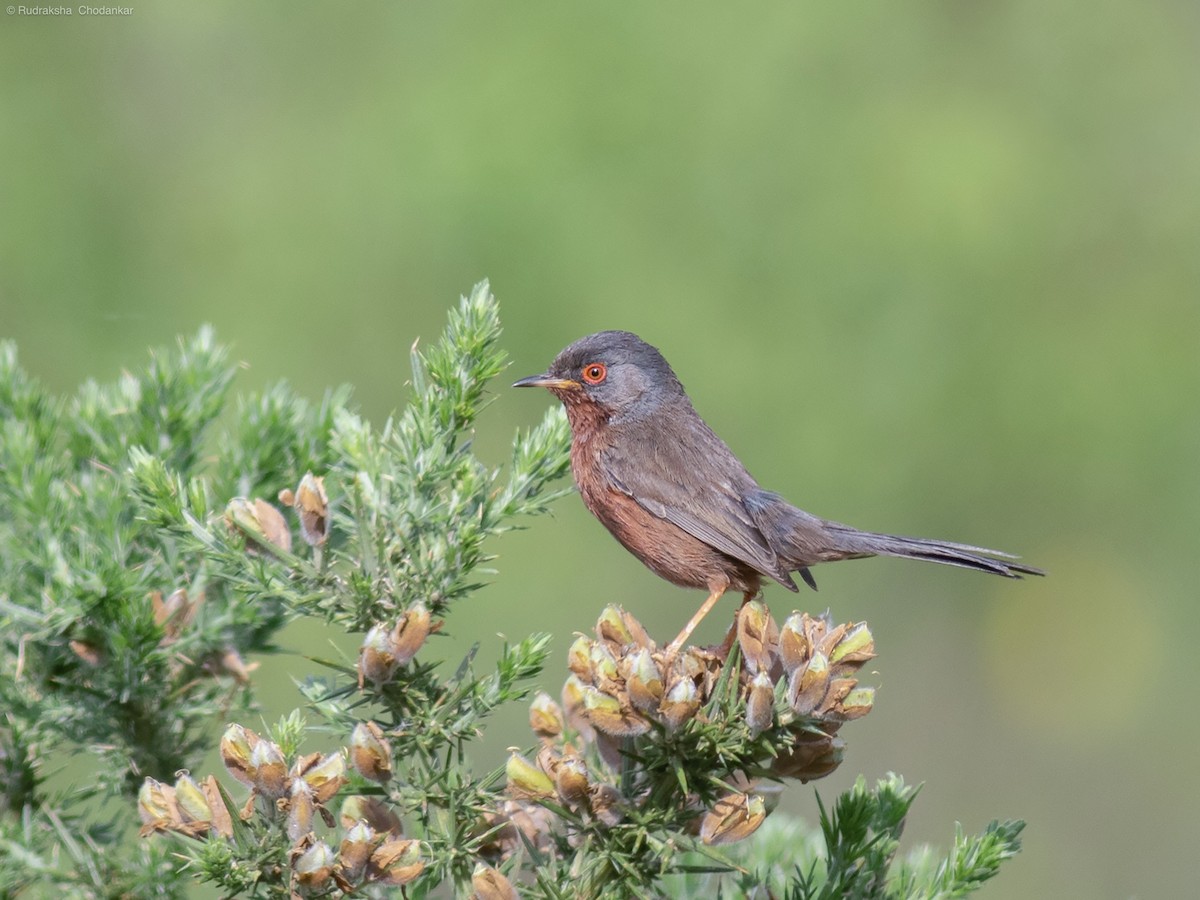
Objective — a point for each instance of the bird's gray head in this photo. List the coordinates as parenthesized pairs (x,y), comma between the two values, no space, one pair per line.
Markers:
(614,370)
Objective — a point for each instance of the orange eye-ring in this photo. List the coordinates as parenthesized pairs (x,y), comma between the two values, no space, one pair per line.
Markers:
(594,373)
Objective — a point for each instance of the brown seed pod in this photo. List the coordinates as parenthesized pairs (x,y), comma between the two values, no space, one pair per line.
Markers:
(612,716)
(490,884)
(312,508)
(355,850)
(680,704)
(758,636)
(808,686)
(397,861)
(370,753)
(545,717)
(760,704)
(732,818)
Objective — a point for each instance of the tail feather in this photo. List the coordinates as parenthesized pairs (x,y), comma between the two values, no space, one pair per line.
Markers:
(801,539)
(967,556)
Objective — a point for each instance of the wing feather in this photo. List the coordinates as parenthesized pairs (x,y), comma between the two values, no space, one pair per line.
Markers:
(710,510)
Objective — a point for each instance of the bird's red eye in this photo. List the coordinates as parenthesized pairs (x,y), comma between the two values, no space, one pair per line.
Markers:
(594,373)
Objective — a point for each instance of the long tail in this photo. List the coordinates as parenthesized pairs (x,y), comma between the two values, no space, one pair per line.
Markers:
(855,543)
(801,539)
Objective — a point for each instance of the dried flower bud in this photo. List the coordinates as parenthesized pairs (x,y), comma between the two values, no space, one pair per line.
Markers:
(274,526)
(156,803)
(839,688)
(236,746)
(325,777)
(821,632)
(760,704)
(680,704)
(527,780)
(605,674)
(516,824)
(794,648)
(692,664)
(397,861)
(829,639)
(547,759)
(175,613)
(314,867)
(643,680)
(607,804)
(312,508)
(371,810)
(370,752)
(611,627)
(240,514)
(732,818)
(193,805)
(579,658)
(808,686)
(356,848)
(620,630)
(545,716)
(612,716)
(814,755)
(757,636)
(301,806)
(268,769)
(856,647)
(260,522)
(222,821)
(571,781)
(572,701)
(489,884)
(410,632)
(858,703)
(377,659)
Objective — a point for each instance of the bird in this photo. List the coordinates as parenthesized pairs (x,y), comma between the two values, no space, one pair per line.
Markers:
(676,497)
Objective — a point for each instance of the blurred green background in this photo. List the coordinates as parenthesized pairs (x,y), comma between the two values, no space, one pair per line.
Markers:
(928,269)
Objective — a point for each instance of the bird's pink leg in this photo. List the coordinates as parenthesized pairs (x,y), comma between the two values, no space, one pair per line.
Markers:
(703,611)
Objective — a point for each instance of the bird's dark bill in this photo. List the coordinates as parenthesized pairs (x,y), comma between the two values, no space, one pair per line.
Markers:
(546,381)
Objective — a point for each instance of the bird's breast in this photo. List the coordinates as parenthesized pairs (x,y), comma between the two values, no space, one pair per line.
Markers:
(664,548)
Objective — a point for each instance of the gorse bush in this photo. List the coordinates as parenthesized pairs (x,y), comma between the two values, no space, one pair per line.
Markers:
(157,532)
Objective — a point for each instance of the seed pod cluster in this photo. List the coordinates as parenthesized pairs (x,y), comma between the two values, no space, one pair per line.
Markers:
(372,849)
(563,776)
(300,791)
(362,858)
(793,687)
(514,826)
(188,807)
(264,527)
(812,665)
(621,684)
(816,660)
(386,648)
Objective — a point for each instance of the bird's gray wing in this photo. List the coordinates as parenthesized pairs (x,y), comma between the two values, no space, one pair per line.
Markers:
(696,485)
